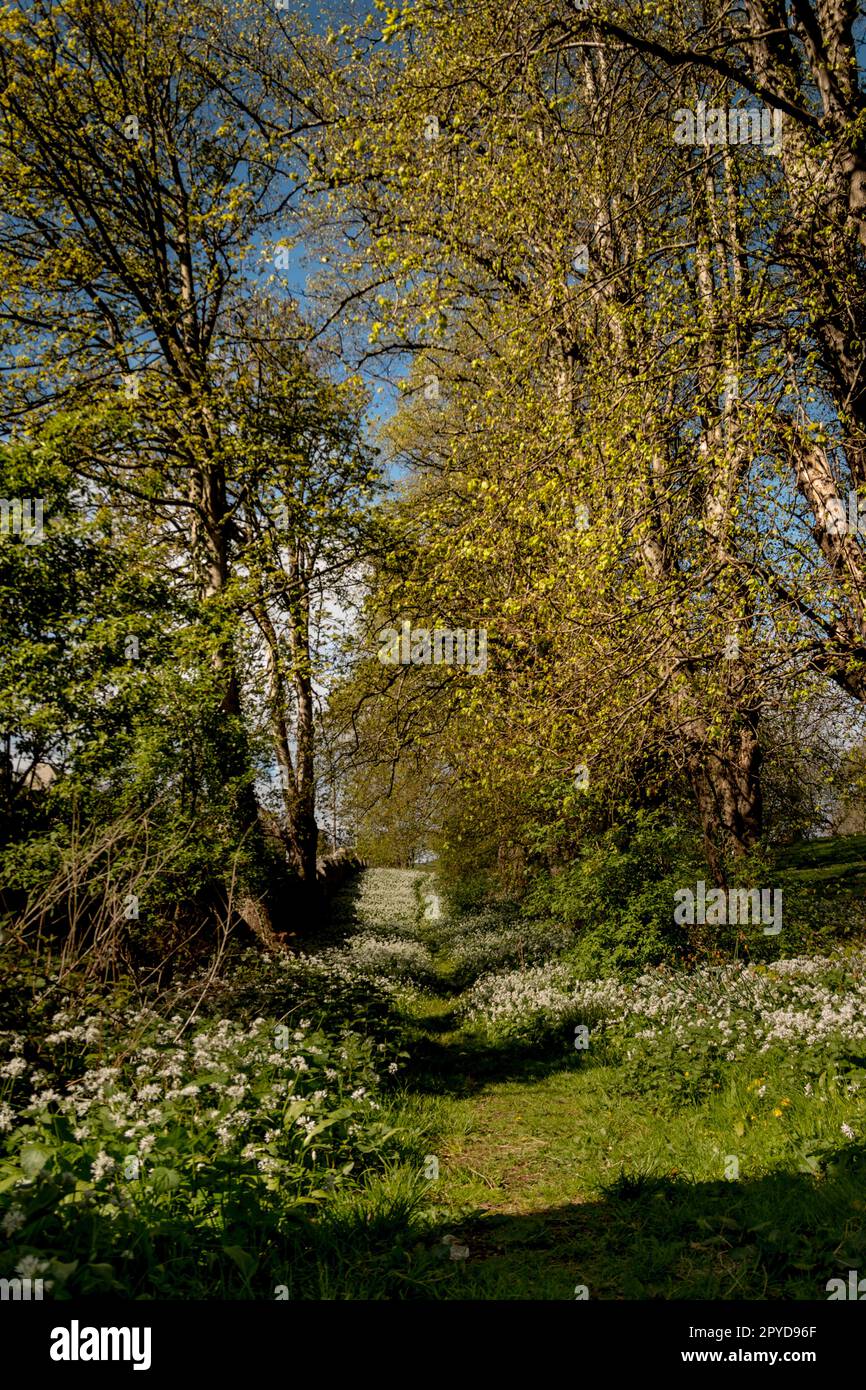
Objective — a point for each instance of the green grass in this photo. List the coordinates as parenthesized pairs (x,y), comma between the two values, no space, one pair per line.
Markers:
(837,860)
(837,850)
(564,1180)
(555,1174)
(556,1178)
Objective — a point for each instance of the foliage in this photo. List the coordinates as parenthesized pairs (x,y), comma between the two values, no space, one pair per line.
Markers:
(617,895)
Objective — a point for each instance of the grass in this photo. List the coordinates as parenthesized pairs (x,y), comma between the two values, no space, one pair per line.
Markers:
(561,1183)
(835,852)
(558,1176)
(566,1181)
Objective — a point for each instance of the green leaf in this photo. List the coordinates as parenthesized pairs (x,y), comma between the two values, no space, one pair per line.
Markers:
(33,1160)
(246,1263)
(165,1179)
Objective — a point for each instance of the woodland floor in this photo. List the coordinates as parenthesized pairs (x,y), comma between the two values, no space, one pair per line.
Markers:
(559,1183)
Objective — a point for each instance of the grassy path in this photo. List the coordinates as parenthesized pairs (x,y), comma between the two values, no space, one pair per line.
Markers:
(524,1145)
(557,1180)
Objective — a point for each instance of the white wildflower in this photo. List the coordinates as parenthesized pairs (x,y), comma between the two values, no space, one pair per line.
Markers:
(102,1164)
(12,1221)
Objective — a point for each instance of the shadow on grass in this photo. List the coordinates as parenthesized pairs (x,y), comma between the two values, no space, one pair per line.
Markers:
(647,1236)
(463,1066)
(335,919)
(777,1237)
(819,854)
(781,1236)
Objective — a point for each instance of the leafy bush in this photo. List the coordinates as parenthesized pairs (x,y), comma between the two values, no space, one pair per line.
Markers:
(815,919)
(618,896)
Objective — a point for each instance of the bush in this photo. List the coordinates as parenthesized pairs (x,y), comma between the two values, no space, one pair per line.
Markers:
(618,896)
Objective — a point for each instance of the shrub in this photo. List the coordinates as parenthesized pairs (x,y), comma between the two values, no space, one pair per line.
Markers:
(618,896)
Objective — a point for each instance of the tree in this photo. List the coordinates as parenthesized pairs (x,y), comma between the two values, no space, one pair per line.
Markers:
(513,233)
(143,186)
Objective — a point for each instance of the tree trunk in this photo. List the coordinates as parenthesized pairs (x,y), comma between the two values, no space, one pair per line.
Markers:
(726,782)
(300,832)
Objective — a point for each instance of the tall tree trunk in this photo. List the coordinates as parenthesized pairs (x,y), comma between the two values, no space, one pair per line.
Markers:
(300,832)
(726,782)
(304,827)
